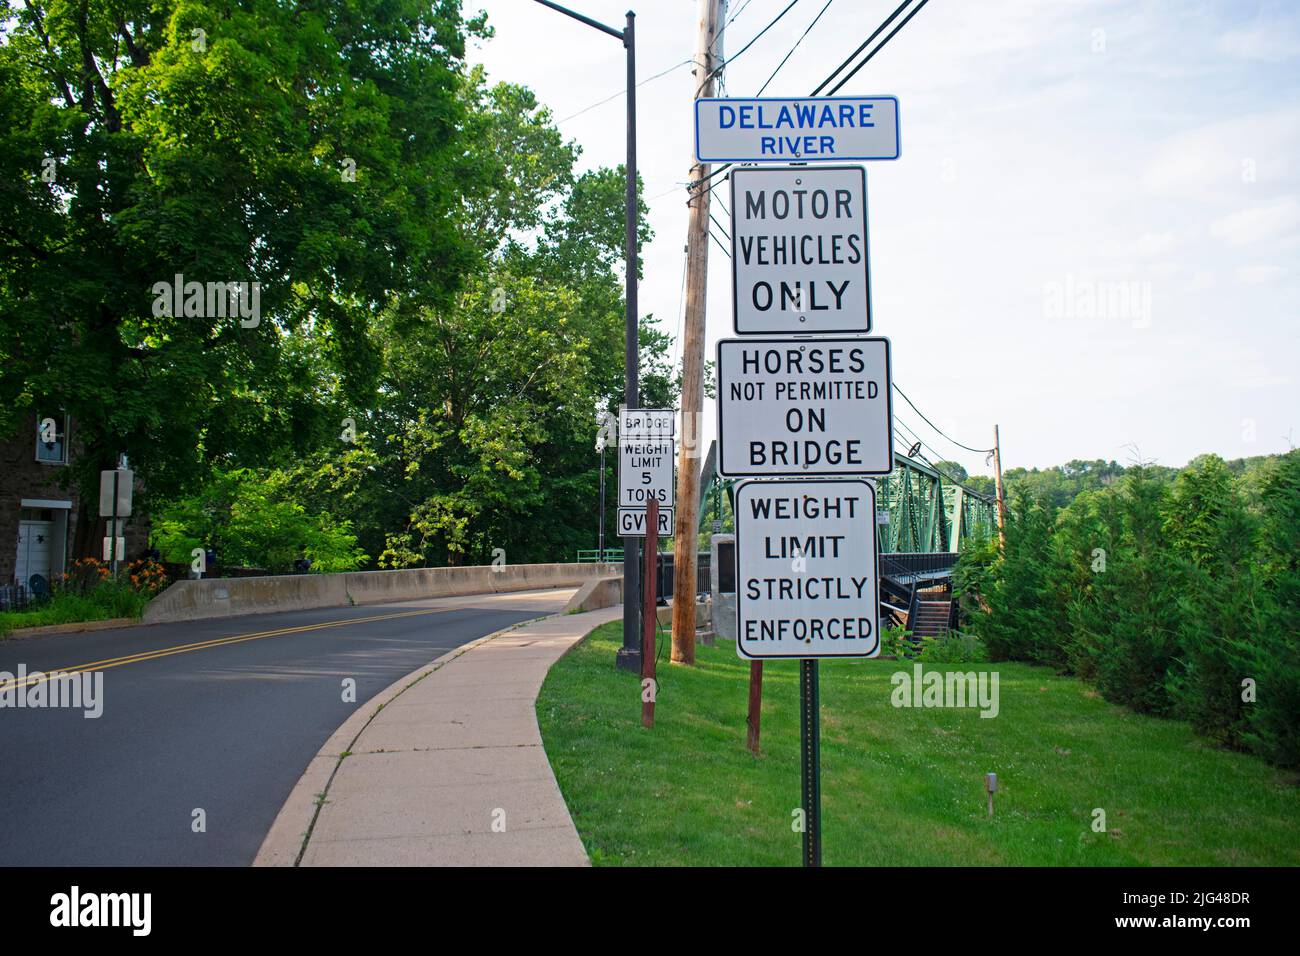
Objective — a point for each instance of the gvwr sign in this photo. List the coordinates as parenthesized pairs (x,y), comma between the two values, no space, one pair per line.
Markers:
(807,569)
(795,408)
(799,250)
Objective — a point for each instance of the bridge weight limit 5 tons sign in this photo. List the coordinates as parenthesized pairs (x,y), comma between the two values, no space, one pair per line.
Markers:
(645,469)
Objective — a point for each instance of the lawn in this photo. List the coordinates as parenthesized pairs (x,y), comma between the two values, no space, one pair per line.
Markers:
(899,786)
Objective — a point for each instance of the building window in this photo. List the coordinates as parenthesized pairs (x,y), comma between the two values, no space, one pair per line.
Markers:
(52,439)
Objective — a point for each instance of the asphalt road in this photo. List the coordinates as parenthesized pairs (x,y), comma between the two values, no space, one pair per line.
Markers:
(226,727)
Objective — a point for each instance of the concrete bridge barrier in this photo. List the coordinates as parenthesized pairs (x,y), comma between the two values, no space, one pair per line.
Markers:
(229,597)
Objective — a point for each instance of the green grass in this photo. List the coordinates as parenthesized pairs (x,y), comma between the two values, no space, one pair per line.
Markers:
(99,604)
(899,786)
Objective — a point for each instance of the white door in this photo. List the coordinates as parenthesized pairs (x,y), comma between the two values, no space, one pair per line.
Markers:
(34,545)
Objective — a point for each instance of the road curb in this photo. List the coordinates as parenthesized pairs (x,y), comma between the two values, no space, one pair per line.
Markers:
(72,627)
(289,834)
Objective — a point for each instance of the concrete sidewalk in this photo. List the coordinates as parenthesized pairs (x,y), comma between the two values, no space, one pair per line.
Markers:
(445,768)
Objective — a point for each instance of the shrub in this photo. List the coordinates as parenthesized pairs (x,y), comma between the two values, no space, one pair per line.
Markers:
(1214,539)
(250,518)
(954,647)
(1274,718)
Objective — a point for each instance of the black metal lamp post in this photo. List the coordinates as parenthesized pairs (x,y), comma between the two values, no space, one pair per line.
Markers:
(629,655)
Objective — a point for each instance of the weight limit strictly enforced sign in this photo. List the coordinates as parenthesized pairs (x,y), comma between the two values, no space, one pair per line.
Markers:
(799,250)
(806,569)
(804,407)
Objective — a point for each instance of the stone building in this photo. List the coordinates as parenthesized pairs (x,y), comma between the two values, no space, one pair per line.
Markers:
(39,503)
(38,515)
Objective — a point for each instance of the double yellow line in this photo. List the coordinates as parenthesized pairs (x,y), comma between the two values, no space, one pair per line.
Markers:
(202,646)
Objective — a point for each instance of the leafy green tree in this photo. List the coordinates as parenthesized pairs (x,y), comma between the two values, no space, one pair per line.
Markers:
(252,520)
(311,149)
(1275,714)
(1214,539)
(1024,619)
(1136,615)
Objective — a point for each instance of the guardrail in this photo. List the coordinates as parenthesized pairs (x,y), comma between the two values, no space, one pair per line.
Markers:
(594,555)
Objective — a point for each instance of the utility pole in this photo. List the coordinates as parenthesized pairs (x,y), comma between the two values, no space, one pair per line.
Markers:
(1002,507)
(708,56)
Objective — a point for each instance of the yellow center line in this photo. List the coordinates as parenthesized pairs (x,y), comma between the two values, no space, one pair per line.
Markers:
(204,645)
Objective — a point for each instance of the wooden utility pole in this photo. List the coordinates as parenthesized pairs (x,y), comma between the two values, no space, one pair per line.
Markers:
(1002,507)
(708,56)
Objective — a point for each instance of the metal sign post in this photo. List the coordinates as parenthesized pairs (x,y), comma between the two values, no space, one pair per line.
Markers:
(811,761)
(808,407)
(115,492)
(650,617)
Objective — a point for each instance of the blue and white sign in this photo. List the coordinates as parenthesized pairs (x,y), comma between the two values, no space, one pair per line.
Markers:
(815,129)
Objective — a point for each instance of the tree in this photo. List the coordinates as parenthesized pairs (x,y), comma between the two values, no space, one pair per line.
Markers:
(1275,714)
(307,153)
(1214,539)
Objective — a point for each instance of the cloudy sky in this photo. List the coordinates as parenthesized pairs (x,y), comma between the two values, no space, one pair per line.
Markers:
(1092,237)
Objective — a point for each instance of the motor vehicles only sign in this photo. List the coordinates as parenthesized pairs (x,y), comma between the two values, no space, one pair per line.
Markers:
(769,130)
(806,568)
(804,407)
(799,250)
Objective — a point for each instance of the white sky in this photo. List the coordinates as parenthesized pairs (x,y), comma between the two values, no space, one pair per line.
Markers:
(1050,149)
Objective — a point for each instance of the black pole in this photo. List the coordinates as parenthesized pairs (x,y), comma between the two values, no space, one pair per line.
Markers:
(810,725)
(629,655)
(602,501)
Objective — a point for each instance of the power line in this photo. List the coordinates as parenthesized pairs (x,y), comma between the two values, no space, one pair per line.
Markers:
(725,251)
(587,109)
(915,10)
(888,20)
(943,474)
(793,48)
(865,43)
(735,56)
(980,451)
(721,228)
(729,22)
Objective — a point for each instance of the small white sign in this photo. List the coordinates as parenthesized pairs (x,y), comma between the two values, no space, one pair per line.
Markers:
(125,481)
(799,250)
(806,569)
(632,522)
(768,130)
(645,472)
(796,408)
(646,422)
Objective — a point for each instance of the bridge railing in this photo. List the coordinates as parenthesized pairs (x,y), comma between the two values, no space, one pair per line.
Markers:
(917,562)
